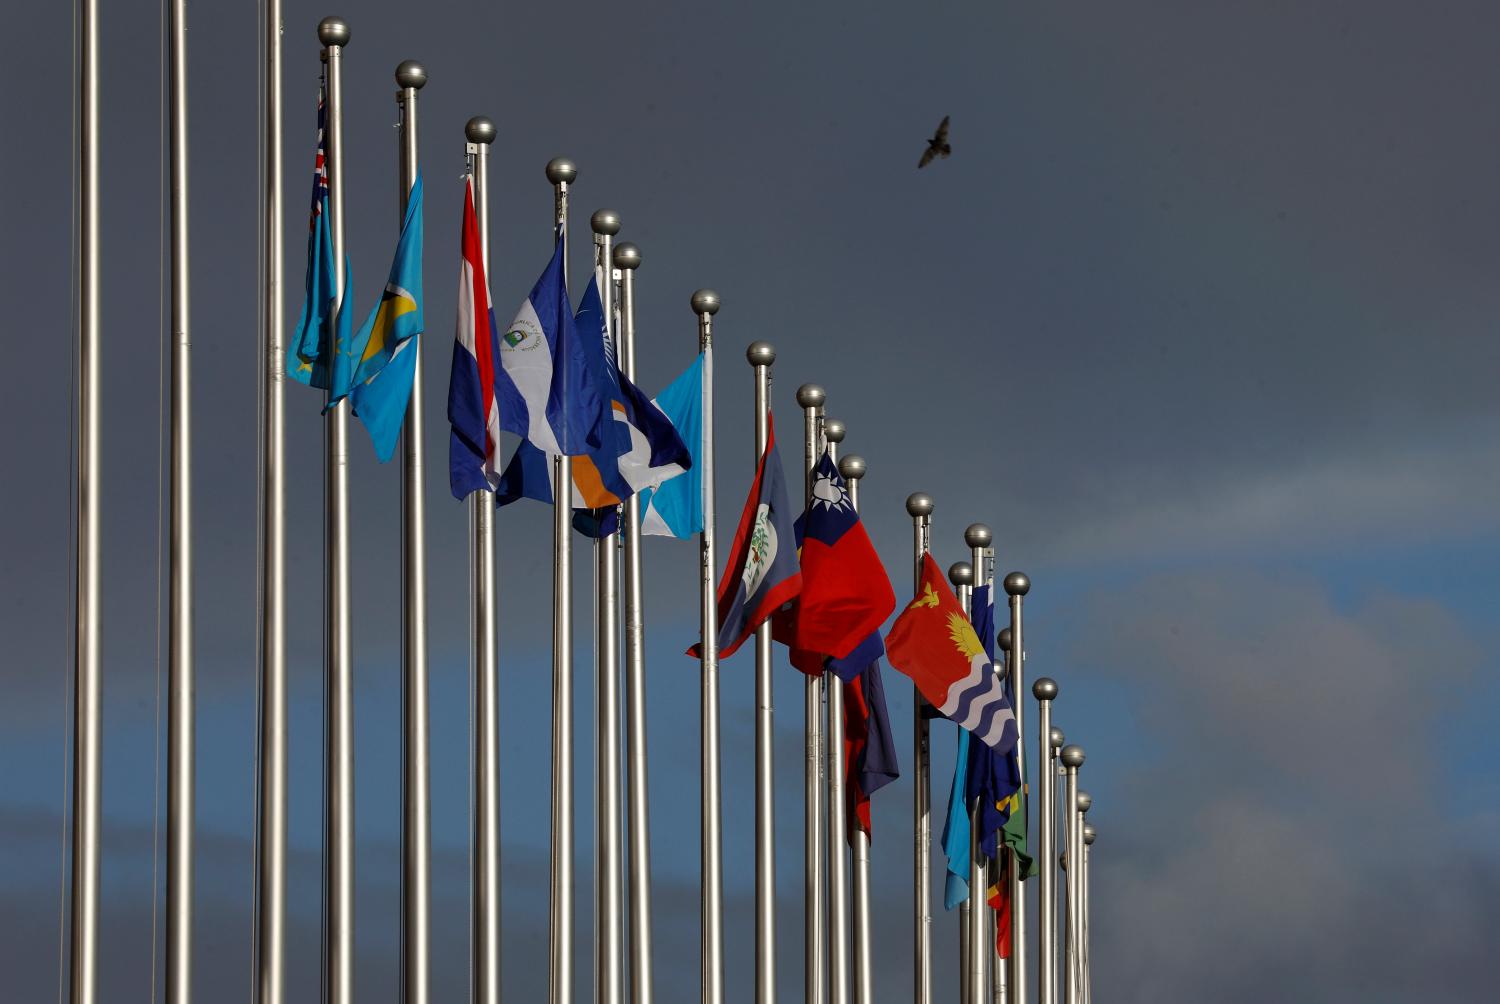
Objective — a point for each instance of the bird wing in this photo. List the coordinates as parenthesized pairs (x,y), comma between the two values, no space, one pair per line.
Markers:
(927,156)
(941,136)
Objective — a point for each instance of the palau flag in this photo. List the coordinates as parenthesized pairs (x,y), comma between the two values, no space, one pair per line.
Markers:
(869,748)
(473,413)
(675,508)
(382,382)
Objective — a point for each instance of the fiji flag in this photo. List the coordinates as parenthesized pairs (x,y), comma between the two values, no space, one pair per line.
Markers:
(761,573)
(388,364)
(675,509)
(473,414)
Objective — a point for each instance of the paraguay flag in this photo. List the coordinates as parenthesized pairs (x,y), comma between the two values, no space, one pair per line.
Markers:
(473,413)
(761,573)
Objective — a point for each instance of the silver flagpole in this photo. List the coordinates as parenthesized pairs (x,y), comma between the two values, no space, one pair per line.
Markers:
(705,303)
(863,968)
(627,258)
(1072,759)
(561,173)
(270,906)
(1081,954)
(338,934)
(1045,692)
(761,356)
(971,952)
(838,823)
(87,731)
(1088,980)
(479,133)
(1017,585)
(1057,778)
(811,398)
(609,920)
(180,741)
(978,538)
(415,767)
(919,506)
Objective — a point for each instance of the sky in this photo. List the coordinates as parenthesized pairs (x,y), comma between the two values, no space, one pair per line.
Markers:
(1197,317)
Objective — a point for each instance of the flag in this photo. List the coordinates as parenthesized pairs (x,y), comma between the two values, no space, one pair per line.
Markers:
(388,363)
(934,644)
(675,508)
(956,846)
(548,386)
(870,761)
(993,778)
(760,573)
(473,413)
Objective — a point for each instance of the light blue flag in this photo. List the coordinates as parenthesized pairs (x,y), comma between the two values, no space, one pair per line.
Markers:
(956,829)
(675,508)
(391,337)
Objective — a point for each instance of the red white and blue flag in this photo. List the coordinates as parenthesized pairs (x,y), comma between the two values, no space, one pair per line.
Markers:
(473,414)
(869,748)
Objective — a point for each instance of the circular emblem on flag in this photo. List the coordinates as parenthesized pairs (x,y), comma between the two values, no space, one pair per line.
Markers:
(524,336)
(762,550)
(829,493)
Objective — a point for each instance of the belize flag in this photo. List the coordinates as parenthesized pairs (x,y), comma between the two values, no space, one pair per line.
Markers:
(761,573)
(473,413)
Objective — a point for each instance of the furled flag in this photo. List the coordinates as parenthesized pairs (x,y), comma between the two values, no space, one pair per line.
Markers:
(675,508)
(473,412)
(993,777)
(956,847)
(549,389)
(869,748)
(760,573)
(933,643)
(309,359)
(382,383)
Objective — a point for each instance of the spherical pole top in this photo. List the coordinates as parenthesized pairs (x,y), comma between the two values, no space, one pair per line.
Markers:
(1017,584)
(978,535)
(961,573)
(1055,738)
(480,129)
(810,395)
(1085,801)
(760,354)
(627,255)
(561,171)
(919,504)
(1044,689)
(1089,833)
(1003,639)
(852,467)
(1072,756)
(705,301)
(605,221)
(410,73)
(834,430)
(333,31)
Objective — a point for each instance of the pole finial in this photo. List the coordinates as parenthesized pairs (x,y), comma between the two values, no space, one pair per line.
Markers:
(605,221)
(627,255)
(810,395)
(1003,639)
(480,129)
(978,535)
(1044,689)
(1085,801)
(410,73)
(760,354)
(1088,834)
(1055,738)
(852,467)
(919,504)
(961,573)
(333,31)
(561,171)
(1017,584)
(1072,756)
(705,301)
(834,430)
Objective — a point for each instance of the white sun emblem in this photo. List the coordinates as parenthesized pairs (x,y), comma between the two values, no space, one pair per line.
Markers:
(829,495)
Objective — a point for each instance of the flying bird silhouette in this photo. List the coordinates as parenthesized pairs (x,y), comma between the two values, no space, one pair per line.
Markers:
(937,146)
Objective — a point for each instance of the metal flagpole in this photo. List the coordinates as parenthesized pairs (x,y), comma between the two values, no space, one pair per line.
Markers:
(761,356)
(1081,954)
(338,934)
(561,173)
(919,506)
(838,823)
(1088,980)
(479,133)
(415,767)
(627,258)
(84,864)
(180,741)
(971,950)
(863,968)
(609,920)
(705,303)
(270,906)
(979,537)
(1045,692)
(1017,585)
(1072,759)
(811,398)
(1057,779)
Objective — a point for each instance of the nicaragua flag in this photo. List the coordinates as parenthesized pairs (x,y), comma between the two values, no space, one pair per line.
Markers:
(760,574)
(675,509)
(388,363)
(473,413)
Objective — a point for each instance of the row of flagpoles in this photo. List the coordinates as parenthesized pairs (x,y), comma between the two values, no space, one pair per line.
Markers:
(634,465)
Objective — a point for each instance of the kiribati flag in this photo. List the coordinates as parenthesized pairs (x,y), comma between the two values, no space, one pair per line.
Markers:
(474,417)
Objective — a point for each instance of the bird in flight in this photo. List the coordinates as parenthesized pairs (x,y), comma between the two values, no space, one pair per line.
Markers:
(937,146)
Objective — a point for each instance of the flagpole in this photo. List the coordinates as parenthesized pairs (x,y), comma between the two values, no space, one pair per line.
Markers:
(87,728)
(1072,759)
(919,506)
(1017,585)
(270,905)
(979,537)
(338,932)
(609,940)
(1088,979)
(761,356)
(811,398)
(1081,955)
(415,764)
(853,469)
(705,303)
(838,823)
(627,258)
(180,738)
(1045,692)
(971,951)
(479,133)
